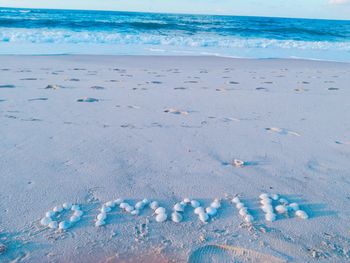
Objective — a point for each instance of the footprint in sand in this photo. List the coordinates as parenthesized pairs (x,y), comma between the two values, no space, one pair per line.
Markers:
(7,86)
(282,131)
(86,99)
(97,87)
(226,253)
(37,99)
(29,79)
(54,87)
(176,111)
(343,143)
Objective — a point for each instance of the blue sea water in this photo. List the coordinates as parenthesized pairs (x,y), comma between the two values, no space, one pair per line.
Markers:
(39,31)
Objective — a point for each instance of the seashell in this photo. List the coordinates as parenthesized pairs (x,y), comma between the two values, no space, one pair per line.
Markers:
(238,163)
(53,225)
(270,217)
(243,211)
(265,201)
(100,223)
(275,197)
(101,216)
(160,210)
(249,218)
(195,203)
(178,207)
(212,211)
(294,206)
(50,213)
(129,208)
(215,204)
(64,225)
(75,207)
(145,201)
(67,206)
(283,201)
(236,200)
(45,221)
(74,218)
(199,210)
(301,214)
(140,205)
(161,217)
(123,205)
(110,204)
(203,217)
(239,205)
(187,200)
(267,208)
(118,201)
(154,205)
(281,209)
(264,196)
(135,212)
(57,209)
(106,209)
(78,213)
(176,217)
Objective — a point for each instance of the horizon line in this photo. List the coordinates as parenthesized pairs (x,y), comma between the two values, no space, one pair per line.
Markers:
(169,13)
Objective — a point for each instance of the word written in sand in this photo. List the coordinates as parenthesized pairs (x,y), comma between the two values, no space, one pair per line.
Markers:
(271,204)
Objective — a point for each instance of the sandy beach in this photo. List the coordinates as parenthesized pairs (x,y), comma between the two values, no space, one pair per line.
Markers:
(90,129)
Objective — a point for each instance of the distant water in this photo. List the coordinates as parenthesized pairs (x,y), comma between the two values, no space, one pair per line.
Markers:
(34,31)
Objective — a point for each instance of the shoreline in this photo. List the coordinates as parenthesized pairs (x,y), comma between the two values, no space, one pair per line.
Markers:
(174,56)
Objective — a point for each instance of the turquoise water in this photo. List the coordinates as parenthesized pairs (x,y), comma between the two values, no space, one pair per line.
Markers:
(34,31)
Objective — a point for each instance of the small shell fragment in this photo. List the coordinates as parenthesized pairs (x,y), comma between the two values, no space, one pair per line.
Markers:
(63,225)
(45,221)
(187,200)
(74,218)
(203,217)
(281,209)
(294,206)
(57,209)
(53,225)
(100,223)
(195,203)
(176,217)
(139,205)
(249,218)
(105,209)
(102,216)
(199,210)
(50,213)
(178,207)
(160,210)
(301,214)
(154,205)
(75,207)
(215,204)
(270,217)
(264,196)
(238,163)
(236,200)
(211,211)
(239,205)
(67,206)
(161,217)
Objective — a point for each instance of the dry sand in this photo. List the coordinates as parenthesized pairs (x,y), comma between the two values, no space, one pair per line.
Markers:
(166,128)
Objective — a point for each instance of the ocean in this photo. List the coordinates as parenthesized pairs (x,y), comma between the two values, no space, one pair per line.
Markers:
(39,31)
